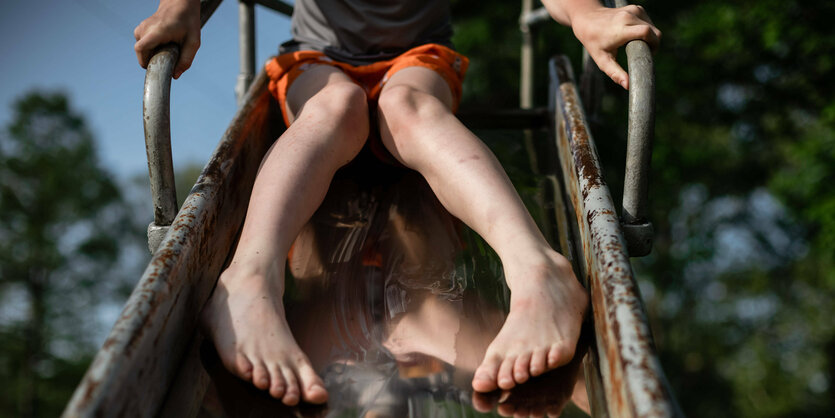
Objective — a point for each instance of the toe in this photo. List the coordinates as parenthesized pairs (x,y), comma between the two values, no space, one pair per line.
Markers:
(505,378)
(240,366)
(521,413)
(291,394)
(521,368)
(260,376)
(313,389)
(538,362)
(558,355)
(554,411)
(506,410)
(485,376)
(483,403)
(277,384)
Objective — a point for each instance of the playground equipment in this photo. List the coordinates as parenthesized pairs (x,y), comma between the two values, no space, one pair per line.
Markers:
(155,361)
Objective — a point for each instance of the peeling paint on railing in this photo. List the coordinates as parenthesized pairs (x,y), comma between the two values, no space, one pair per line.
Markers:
(132,373)
(632,376)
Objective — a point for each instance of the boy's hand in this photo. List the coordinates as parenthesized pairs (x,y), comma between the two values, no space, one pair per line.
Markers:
(176,21)
(603,30)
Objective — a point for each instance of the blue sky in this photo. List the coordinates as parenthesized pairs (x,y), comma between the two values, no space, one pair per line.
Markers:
(85,48)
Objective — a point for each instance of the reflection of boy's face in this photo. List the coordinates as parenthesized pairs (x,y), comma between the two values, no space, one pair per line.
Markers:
(380,286)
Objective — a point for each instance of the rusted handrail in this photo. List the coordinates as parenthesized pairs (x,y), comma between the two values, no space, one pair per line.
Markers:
(156,118)
(637,229)
(626,364)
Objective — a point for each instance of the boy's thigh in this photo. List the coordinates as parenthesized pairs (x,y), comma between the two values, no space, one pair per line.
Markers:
(310,82)
(424,80)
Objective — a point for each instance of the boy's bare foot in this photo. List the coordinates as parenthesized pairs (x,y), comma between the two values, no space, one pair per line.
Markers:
(547,306)
(246,321)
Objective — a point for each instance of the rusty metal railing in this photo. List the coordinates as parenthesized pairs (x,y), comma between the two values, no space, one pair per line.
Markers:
(142,369)
(147,365)
(624,357)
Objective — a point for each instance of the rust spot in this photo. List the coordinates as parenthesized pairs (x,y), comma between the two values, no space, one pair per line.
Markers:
(92,385)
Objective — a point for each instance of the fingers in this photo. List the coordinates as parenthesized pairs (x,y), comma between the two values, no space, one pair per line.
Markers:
(604,30)
(142,52)
(606,62)
(638,11)
(170,25)
(146,44)
(638,25)
(188,50)
(644,32)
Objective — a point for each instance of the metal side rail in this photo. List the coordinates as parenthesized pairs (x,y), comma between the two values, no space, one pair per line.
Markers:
(623,364)
(133,373)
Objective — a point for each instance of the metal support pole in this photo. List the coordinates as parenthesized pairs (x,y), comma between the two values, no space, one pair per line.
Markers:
(246,43)
(526,75)
(278,6)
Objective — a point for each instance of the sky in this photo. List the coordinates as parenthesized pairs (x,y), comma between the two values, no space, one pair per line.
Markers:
(85,48)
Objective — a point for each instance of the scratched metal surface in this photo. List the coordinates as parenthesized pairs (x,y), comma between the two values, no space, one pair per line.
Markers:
(132,373)
(394,301)
(632,376)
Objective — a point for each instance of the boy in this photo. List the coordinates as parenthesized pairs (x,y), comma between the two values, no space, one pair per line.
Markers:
(351,60)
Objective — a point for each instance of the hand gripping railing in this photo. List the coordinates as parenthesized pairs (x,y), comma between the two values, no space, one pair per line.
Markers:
(156,118)
(637,229)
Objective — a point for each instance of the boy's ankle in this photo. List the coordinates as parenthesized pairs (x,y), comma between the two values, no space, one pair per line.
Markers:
(250,273)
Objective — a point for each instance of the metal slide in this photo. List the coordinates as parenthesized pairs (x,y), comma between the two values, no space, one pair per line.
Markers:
(392,299)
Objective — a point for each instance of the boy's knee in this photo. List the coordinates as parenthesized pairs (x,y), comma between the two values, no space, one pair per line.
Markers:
(408,105)
(346,104)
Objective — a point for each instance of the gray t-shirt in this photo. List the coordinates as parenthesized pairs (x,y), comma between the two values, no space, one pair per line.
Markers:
(364,31)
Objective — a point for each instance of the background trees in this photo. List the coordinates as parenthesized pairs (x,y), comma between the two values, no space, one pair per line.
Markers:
(740,283)
(739,286)
(64,226)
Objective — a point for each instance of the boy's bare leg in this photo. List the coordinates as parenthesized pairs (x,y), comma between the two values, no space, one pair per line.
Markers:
(245,316)
(547,303)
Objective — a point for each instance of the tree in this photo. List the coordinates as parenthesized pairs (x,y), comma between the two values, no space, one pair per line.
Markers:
(740,282)
(63,219)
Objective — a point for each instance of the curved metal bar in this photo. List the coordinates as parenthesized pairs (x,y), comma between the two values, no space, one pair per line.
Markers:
(157,121)
(634,217)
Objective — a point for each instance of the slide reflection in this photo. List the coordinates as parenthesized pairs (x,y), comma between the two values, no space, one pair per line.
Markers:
(395,302)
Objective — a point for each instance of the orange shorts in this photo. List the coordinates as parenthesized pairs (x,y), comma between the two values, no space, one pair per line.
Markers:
(450,65)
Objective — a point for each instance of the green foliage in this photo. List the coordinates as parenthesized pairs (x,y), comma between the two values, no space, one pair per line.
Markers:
(63,223)
(741,279)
